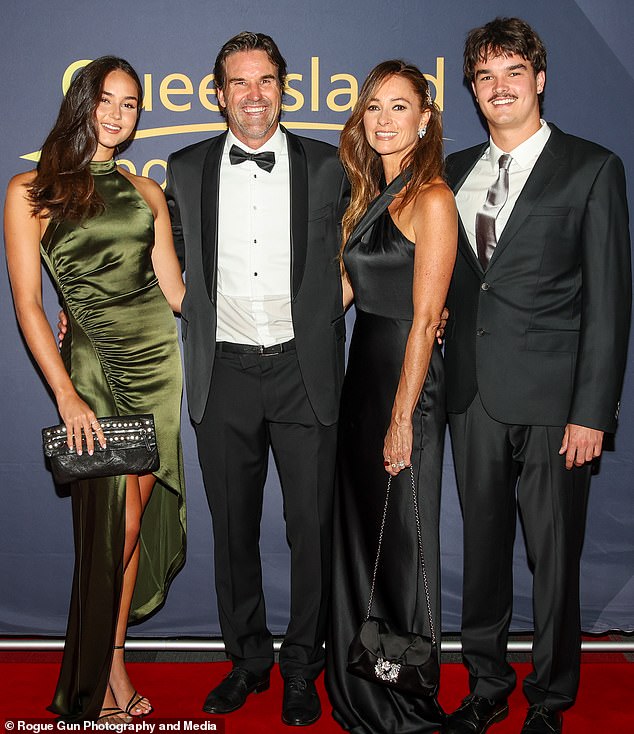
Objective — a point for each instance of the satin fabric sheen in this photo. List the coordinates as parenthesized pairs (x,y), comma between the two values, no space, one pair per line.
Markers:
(380,267)
(122,354)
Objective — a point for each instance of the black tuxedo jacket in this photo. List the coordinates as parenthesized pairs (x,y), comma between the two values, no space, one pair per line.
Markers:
(319,194)
(543,333)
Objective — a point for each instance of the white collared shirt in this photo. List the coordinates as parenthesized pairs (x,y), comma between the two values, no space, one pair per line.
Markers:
(254,247)
(472,194)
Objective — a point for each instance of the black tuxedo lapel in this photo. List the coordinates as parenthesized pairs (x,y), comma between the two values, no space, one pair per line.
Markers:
(210,192)
(299,210)
(536,186)
(464,163)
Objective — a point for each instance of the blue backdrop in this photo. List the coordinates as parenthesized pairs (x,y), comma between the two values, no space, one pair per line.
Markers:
(329,46)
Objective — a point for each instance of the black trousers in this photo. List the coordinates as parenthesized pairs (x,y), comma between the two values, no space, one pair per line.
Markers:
(499,469)
(259,402)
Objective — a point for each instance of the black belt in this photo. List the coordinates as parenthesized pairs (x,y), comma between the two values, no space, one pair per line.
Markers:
(232,348)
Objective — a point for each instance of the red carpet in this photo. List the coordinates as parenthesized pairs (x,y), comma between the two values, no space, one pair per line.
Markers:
(177,691)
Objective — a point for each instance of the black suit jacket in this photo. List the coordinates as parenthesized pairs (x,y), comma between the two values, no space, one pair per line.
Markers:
(319,194)
(543,333)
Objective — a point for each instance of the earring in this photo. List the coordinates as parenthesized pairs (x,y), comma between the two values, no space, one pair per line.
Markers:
(421,131)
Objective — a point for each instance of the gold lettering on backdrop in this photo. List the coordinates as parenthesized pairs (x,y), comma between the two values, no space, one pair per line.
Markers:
(67,77)
(125,163)
(338,99)
(147,93)
(206,89)
(301,91)
(314,83)
(152,164)
(438,82)
(165,91)
(351,91)
(294,93)
(145,171)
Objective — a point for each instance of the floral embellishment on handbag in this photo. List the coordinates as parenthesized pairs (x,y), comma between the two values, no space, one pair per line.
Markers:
(387,670)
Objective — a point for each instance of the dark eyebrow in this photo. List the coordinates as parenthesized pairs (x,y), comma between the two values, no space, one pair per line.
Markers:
(243,79)
(394,99)
(130,96)
(512,67)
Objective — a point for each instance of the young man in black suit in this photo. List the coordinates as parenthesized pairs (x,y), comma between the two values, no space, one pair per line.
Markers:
(255,215)
(540,304)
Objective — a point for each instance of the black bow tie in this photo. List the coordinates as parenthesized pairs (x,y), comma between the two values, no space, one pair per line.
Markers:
(265,160)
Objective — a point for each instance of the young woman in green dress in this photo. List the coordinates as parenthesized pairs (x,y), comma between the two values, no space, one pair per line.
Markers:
(105,238)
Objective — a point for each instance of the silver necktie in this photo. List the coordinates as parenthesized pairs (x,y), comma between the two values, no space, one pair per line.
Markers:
(497,195)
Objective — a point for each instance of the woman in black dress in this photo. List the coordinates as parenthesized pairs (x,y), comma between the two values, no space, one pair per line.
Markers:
(397,265)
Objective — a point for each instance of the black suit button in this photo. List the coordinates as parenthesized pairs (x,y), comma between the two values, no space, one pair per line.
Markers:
(480,332)
(485,287)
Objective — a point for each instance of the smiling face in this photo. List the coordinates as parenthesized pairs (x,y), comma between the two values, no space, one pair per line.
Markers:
(251,96)
(116,114)
(392,119)
(506,89)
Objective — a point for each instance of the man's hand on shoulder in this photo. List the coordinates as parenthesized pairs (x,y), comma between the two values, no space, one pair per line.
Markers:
(580,445)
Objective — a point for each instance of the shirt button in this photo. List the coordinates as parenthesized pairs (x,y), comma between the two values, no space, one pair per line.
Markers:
(480,332)
(255,274)
(485,287)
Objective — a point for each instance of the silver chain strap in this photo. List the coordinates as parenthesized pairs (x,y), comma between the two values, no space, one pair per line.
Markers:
(420,551)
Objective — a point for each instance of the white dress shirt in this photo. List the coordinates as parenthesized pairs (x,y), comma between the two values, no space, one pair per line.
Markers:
(472,194)
(254,247)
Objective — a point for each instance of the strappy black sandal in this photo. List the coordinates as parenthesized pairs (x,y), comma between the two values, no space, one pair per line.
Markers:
(135,699)
(108,713)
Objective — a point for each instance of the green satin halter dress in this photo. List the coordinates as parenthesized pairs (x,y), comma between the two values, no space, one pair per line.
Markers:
(122,354)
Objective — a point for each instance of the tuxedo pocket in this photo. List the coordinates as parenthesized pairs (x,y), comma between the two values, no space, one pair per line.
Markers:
(552,340)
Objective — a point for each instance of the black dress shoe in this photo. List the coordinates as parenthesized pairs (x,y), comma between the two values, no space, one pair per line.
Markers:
(475,715)
(233,691)
(542,720)
(300,706)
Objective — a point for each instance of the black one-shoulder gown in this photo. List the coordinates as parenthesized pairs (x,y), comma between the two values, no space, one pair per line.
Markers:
(381,266)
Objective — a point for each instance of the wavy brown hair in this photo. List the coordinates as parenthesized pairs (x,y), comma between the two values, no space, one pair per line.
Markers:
(363,164)
(63,187)
(248,41)
(502,37)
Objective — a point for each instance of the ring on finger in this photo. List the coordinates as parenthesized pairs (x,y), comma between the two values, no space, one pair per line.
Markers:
(401,464)
(394,466)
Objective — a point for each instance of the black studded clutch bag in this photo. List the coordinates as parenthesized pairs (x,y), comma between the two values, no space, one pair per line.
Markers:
(130,449)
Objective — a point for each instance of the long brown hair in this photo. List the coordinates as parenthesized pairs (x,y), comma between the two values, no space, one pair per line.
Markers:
(63,187)
(503,36)
(363,164)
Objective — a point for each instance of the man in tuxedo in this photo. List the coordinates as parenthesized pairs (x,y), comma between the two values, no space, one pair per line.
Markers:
(255,215)
(540,304)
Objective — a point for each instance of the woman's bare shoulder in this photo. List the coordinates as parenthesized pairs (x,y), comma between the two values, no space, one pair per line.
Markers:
(147,187)
(433,198)
(21,181)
